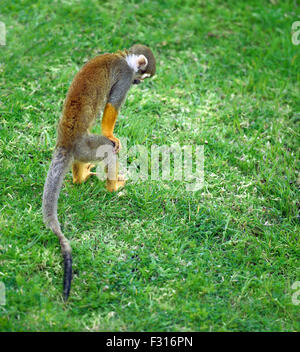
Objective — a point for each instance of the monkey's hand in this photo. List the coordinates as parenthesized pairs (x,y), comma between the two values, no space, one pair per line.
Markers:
(116,142)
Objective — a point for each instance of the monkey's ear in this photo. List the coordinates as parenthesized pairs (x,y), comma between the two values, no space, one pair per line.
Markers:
(141,62)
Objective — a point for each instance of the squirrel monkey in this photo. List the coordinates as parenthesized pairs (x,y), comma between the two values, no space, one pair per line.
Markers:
(101,84)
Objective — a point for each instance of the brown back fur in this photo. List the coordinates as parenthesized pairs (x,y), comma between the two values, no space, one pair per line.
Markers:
(86,96)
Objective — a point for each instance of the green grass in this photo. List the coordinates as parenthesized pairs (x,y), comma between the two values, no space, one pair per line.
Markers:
(155,257)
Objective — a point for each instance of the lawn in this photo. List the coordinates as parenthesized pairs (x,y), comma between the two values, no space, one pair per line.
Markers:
(156,257)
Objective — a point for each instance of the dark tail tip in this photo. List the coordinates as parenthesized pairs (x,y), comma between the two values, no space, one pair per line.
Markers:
(67,274)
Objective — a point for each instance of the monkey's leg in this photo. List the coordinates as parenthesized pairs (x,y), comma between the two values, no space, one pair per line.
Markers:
(114,181)
(81,171)
(93,148)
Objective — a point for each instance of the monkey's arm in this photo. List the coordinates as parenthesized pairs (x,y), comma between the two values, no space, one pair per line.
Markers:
(116,97)
(108,124)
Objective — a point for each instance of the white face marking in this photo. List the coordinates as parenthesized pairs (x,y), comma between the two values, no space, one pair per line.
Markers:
(132,62)
(145,75)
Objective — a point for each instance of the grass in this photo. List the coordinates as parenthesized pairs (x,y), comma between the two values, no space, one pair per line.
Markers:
(155,257)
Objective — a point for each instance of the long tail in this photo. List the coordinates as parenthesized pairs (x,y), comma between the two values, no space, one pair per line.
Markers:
(58,168)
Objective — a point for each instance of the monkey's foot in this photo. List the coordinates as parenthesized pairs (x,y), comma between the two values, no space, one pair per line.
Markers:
(113,186)
(82,171)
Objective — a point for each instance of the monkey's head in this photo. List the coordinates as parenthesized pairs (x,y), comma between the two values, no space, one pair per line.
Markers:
(143,61)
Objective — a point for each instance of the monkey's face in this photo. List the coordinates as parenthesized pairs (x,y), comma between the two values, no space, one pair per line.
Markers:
(139,77)
(144,63)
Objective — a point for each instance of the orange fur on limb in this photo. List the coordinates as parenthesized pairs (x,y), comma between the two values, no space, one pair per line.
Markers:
(109,120)
(108,124)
